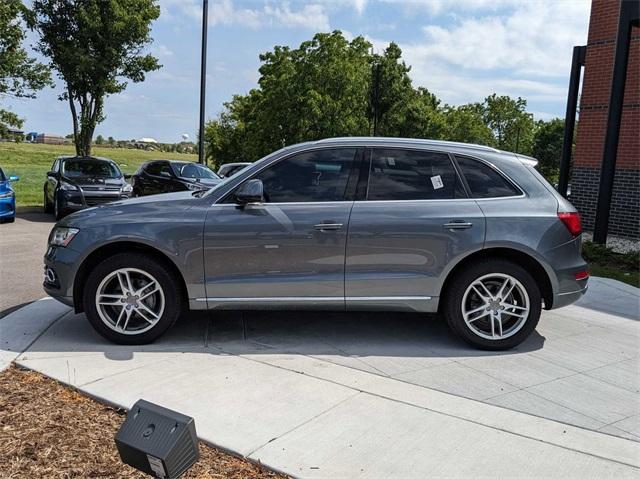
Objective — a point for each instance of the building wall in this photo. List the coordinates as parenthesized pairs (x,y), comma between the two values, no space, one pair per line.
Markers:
(592,124)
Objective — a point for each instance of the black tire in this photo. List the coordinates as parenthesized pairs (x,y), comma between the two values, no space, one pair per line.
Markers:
(173,296)
(453,297)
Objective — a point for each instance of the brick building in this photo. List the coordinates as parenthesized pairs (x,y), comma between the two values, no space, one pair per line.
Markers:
(624,218)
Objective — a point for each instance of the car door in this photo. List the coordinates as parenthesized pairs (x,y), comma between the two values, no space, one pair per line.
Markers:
(290,249)
(414,220)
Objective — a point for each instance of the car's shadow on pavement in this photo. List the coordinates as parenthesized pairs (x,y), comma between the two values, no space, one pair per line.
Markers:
(320,334)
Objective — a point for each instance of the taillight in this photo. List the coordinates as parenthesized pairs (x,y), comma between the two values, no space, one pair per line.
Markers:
(584,274)
(572,222)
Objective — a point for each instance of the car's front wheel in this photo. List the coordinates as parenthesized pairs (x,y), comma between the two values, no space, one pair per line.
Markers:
(131,298)
(494,304)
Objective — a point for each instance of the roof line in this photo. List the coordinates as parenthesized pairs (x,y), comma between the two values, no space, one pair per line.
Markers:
(381,139)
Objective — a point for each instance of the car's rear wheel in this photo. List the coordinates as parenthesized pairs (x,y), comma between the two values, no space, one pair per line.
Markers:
(493,304)
(132,298)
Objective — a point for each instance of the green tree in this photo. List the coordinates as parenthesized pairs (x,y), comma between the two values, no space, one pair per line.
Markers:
(512,126)
(20,75)
(99,140)
(466,124)
(95,46)
(390,91)
(111,141)
(547,147)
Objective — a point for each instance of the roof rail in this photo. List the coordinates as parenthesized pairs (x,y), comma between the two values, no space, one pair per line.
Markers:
(381,139)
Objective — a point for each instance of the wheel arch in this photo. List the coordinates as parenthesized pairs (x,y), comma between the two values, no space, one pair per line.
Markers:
(529,262)
(110,249)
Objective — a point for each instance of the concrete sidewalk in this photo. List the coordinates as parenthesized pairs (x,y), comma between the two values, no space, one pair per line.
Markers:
(384,395)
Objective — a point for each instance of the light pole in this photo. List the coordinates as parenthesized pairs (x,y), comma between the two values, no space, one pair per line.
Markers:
(203,79)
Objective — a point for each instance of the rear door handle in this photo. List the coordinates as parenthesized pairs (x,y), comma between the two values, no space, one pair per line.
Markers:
(458,225)
(328,226)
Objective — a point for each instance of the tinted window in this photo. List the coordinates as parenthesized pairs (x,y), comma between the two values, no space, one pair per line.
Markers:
(158,168)
(412,175)
(94,168)
(309,177)
(192,170)
(484,181)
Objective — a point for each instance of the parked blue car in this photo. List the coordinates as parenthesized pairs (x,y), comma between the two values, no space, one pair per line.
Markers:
(7,198)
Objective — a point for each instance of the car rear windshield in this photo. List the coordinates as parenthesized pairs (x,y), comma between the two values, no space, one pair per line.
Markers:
(93,168)
(192,170)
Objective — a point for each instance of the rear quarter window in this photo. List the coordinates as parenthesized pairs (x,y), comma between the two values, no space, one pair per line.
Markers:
(484,181)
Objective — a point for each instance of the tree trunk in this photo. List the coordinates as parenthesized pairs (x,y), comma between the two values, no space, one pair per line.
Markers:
(84,125)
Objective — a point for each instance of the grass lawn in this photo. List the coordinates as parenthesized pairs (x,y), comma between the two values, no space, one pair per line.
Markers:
(605,262)
(32,161)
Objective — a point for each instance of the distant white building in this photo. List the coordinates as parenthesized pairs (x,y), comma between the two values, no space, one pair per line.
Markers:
(147,140)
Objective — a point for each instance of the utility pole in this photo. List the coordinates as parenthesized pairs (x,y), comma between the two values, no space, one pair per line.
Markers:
(203,79)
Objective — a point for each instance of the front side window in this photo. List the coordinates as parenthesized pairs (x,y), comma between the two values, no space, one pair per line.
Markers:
(397,174)
(309,177)
(484,181)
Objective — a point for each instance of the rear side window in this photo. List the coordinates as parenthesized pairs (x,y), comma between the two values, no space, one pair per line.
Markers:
(397,174)
(484,181)
(159,168)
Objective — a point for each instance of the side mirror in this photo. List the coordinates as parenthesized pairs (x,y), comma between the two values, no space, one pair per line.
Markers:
(165,174)
(127,176)
(14,178)
(51,173)
(250,192)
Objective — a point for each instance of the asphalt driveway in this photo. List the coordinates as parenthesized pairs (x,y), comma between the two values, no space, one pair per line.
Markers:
(22,246)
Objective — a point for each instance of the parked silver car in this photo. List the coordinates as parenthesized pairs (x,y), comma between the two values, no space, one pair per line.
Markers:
(355,224)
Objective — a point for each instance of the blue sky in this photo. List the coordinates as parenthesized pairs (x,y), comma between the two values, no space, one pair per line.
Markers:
(462,50)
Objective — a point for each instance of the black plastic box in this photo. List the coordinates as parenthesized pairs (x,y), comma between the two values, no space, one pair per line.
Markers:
(158,441)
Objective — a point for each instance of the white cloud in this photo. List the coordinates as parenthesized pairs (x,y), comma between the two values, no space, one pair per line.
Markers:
(525,51)
(311,16)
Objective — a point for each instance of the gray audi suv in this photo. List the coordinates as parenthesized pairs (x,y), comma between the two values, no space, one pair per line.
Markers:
(345,224)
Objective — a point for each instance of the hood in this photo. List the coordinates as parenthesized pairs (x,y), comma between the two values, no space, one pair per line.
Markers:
(93,181)
(153,206)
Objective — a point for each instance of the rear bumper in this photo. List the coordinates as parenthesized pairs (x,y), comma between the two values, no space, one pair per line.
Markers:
(565,299)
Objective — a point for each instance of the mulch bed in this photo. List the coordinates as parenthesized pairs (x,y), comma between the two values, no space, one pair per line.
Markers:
(50,430)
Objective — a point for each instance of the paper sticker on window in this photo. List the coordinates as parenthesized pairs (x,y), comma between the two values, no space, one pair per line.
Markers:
(391,161)
(436,181)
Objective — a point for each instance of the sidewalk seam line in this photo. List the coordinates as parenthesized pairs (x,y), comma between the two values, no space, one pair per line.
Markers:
(40,334)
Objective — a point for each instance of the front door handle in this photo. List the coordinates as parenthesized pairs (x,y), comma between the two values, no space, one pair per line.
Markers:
(457,225)
(328,226)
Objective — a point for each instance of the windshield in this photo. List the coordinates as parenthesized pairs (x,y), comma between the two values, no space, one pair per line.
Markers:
(192,170)
(93,168)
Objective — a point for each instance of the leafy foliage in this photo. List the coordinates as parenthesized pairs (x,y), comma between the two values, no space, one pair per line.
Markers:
(330,87)
(547,147)
(20,75)
(95,46)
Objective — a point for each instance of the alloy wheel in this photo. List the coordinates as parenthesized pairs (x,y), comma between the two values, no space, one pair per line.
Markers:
(130,301)
(495,306)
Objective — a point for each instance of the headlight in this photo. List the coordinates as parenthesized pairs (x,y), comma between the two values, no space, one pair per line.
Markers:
(8,194)
(62,236)
(67,186)
(127,188)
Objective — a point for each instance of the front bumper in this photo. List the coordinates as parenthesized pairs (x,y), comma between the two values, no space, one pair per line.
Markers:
(7,207)
(59,271)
